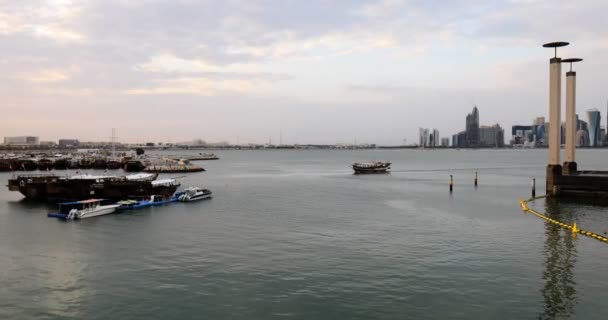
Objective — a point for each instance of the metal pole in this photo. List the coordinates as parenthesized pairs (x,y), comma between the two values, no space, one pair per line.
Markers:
(476,178)
(533,187)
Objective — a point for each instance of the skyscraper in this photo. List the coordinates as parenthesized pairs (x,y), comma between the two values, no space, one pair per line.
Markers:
(491,136)
(436,138)
(472,128)
(594,117)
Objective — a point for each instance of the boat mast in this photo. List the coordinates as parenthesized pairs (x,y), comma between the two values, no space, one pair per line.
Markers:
(113,146)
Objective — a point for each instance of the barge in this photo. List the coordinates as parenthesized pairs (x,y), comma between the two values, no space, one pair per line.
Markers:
(53,187)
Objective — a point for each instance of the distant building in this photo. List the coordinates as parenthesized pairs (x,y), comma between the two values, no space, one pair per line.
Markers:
(445,142)
(539,130)
(522,134)
(472,128)
(435,139)
(424,137)
(22,141)
(491,136)
(582,138)
(69,143)
(459,140)
(594,118)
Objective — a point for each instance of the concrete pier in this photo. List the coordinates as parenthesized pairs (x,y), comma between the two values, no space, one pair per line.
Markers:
(570,115)
(567,181)
(570,166)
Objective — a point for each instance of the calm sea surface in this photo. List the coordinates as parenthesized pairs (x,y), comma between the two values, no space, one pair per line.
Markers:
(294,235)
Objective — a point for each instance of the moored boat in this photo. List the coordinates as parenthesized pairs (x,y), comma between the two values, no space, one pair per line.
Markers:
(152,201)
(61,163)
(27,164)
(134,165)
(83,209)
(53,187)
(45,164)
(113,163)
(371,167)
(100,164)
(85,163)
(194,193)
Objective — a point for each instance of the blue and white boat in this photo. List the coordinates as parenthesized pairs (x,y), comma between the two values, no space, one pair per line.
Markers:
(194,193)
(83,209)
(153,201)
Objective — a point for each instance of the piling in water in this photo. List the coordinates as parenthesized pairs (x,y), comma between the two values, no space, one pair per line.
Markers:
(475,178)
(451,183)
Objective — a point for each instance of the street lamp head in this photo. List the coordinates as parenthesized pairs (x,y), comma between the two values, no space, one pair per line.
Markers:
(571,61)
(556,45)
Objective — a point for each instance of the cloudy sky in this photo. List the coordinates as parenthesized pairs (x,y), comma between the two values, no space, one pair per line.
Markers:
(321,71)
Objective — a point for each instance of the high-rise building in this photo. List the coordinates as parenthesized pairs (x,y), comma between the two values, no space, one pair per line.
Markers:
(459,140)
(69,143)
(539,130)
(491,136)
(445,142)
(594,118)
(582,138)
(436,139)
(26,140)
(423,137)
(472,128)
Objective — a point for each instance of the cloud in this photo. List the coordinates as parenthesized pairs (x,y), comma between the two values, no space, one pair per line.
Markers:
(44,76)
(50,19)
(407,56)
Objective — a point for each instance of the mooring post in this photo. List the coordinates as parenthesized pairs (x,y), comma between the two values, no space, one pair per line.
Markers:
(476,178)
(533,187)
(451,183)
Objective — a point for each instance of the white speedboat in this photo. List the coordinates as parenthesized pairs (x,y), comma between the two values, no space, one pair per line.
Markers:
(83,209)
(194,193)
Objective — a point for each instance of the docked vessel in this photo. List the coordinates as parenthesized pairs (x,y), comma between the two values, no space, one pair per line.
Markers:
(100,163)
(53,187)
(83,209)
(194,193)
(152,201)
(61,163)
(134,165)
(202,156)
(113,163)
(45,164)
(27,164)
(371,167)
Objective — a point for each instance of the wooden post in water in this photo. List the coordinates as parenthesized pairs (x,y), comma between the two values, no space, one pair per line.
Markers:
(475,178)
(533,187)
(451,183)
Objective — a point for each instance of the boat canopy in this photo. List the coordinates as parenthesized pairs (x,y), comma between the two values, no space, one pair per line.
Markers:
(139,176)
(163,182)
(82,202)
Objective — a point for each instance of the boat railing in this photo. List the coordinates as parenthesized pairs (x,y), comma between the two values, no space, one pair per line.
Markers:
(37,175)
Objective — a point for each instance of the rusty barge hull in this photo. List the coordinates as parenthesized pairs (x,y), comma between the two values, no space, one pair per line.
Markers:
(50,187)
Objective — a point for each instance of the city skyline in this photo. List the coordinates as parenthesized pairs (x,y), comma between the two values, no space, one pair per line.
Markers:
(247,70)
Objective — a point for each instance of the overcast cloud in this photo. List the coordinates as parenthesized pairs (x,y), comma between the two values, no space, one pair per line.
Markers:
(322,71)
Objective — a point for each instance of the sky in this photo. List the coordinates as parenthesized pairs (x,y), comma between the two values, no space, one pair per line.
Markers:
(317,71)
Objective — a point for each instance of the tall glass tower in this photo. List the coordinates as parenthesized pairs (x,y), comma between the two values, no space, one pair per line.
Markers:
(594,118)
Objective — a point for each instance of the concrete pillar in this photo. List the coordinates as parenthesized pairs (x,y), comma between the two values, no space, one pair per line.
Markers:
(570,116)
(555,85)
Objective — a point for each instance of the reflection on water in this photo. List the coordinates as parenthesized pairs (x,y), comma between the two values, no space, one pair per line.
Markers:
(559,292)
